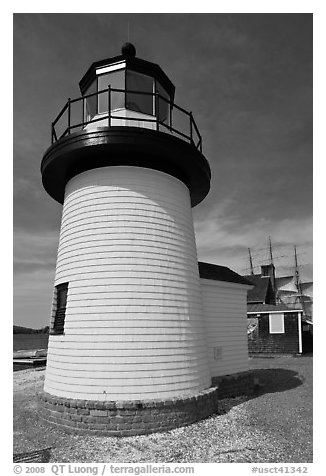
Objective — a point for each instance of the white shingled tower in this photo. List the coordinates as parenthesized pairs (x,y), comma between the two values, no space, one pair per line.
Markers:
(127,317)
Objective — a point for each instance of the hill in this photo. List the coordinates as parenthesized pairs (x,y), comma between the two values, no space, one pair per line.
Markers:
(29,330)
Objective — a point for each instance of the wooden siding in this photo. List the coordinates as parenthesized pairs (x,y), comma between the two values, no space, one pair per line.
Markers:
(225,307)
(262,341)
(133,326)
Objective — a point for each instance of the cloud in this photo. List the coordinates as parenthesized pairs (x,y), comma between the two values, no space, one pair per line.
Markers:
(33,298)
(249,89)
(34,251)
(34,271)
(223,239)
(24,186)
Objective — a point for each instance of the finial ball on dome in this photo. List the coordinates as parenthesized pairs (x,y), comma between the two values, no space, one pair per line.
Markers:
(128,50)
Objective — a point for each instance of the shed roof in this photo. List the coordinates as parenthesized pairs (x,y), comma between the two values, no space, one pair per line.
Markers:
(259,292)
(220,273)
(261,308)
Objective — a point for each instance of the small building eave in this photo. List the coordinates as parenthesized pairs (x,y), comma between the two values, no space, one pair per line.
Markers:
(271,309)
(214,272)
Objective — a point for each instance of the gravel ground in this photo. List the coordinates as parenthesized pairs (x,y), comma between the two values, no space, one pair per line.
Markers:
(273,427)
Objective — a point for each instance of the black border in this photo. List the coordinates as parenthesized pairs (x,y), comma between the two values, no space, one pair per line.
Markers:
(133,146)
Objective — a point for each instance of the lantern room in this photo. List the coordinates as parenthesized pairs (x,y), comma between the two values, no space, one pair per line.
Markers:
(134,92)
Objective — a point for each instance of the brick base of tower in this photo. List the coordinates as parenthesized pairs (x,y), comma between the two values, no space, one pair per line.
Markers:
(127,418)
(130,418)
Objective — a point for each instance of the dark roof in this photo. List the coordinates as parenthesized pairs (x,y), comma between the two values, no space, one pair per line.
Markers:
(136,64)
(259,292)
(220,273)
(261,308)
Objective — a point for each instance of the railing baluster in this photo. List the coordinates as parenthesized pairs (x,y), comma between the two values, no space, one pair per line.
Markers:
(69,115)
(193,135)
(53,134)
(109,105)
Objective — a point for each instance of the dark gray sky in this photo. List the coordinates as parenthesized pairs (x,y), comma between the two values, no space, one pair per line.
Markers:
(247,78)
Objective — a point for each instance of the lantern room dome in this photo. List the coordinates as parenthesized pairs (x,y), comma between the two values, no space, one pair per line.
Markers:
(127,61)
(128,50)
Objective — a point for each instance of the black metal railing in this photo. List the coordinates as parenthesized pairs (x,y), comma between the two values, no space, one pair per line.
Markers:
(177,122)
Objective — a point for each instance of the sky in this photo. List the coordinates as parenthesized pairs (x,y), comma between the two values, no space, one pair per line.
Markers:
(247,78)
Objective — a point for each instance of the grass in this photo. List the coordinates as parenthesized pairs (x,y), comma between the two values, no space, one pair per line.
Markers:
(273,427)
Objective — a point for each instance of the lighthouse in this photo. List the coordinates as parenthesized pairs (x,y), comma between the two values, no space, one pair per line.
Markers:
(127,348)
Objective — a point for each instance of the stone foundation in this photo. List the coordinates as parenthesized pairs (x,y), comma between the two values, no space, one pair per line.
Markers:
(127,418)
(234,385)
(130,418)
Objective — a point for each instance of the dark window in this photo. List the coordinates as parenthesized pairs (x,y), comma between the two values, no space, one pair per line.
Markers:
(143,84)
(162,105)
(60,313)
(116,80)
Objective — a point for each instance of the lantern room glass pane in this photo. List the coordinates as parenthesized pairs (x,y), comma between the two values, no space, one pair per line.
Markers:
(116,80)
(143,84)
(162,104)
(91,102)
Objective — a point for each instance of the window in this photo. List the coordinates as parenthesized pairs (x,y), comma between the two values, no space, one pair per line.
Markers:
(265,270)
(276,323)
(60,312)
(117,81)
(162,106)
(91,102)
(139,102)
